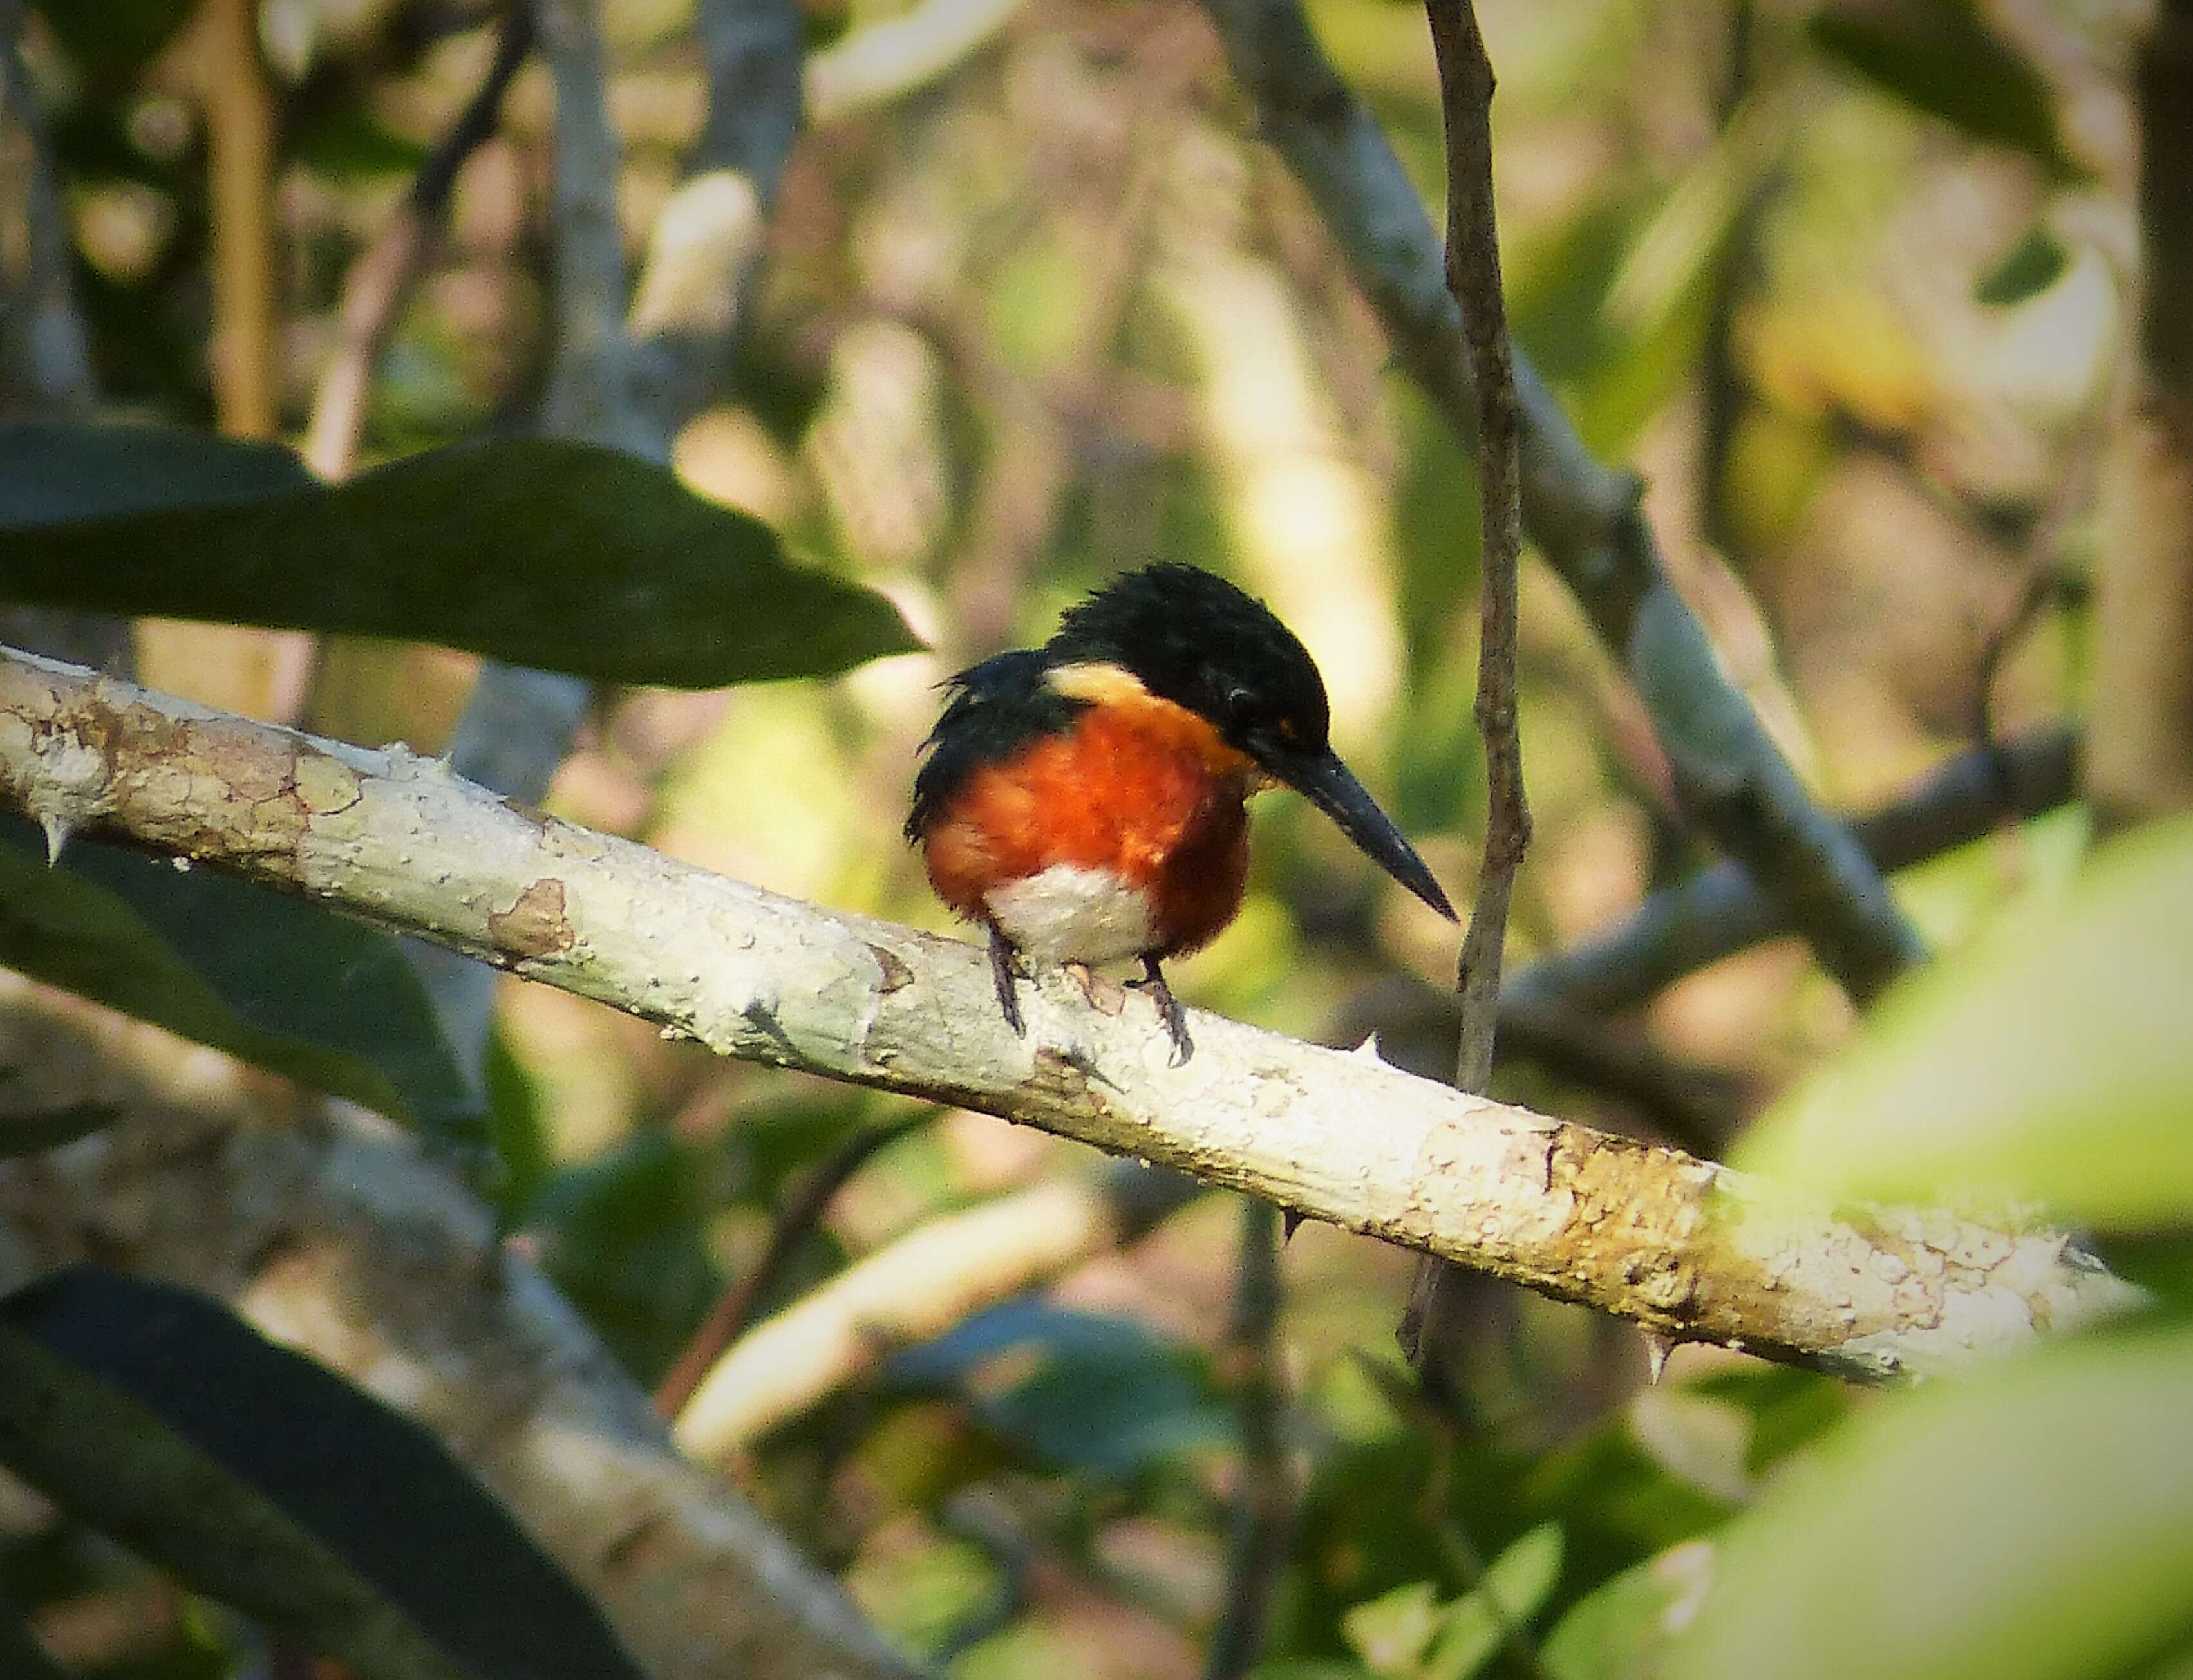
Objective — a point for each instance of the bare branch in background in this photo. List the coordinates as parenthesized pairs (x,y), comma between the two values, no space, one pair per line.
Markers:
(1584,517)
(330,1233)
(45,355)
(803,1210)
(1690,1250)
(1722,910)
(380,282)
(1264,1495)
(239,118)
(2140,742)
(914,1289)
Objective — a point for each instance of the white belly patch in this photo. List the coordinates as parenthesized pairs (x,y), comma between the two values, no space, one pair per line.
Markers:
(1072,913)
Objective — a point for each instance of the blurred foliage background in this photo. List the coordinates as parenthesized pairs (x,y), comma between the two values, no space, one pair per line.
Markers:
(1852,287)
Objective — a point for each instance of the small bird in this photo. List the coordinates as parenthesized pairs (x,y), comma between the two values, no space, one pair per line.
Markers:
(1087,801)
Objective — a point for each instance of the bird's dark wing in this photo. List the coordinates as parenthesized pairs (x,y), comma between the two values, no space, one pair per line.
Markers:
(996,708)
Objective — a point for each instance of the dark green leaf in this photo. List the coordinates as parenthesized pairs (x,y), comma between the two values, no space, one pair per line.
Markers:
(111,43)
(1942,58)
(49,1128)
(58,475)
(272,981)
(537,551)
(2026,270)
(1106,1395)
(265,1481)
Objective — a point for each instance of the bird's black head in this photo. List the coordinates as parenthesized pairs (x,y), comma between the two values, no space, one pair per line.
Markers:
(1199,642)
(1194,639)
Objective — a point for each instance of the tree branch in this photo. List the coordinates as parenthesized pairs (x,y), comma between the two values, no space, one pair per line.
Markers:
(1722,910)
(1688,1250)
(1583,516)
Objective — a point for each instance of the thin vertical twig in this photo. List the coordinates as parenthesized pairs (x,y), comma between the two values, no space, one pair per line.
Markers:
(1473,271)
(802,1209)
(1264,1500)
(380,282)
(1586,518)
(239,117)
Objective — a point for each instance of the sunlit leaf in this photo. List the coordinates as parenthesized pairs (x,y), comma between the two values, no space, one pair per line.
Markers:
(266,1481)
(1515,1587)
(536,551)
(2049,1062)
(1616,1632)
(2035,1523)
(1409,1635)
(272,981)
(1942,58)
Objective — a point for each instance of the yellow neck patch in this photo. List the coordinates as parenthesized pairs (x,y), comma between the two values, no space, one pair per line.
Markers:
(1119,692)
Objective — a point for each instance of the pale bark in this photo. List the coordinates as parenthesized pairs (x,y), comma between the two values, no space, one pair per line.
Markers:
(1688,1250)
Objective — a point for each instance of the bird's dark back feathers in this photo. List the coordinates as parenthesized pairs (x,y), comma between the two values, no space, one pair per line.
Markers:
(996,708)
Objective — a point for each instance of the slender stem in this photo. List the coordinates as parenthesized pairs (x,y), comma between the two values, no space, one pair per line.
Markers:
(1264,1500)
(380,282)
(802,1211)
(1472,276)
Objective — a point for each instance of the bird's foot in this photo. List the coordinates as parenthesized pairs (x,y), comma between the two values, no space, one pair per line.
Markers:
(1004,969)
(1169,1010)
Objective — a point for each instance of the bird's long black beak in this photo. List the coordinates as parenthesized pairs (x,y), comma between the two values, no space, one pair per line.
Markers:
(1332,787)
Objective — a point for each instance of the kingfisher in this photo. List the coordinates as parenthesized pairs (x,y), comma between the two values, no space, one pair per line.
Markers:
(1087,802)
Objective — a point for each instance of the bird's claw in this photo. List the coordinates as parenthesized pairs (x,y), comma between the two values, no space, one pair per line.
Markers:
(1169,1010)
(1004,969)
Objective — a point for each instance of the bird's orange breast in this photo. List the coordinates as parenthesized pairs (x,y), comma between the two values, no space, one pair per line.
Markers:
(1136,786)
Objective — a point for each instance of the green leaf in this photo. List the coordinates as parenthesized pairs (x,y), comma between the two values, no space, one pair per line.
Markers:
(267,1482)
(2026,270)
(1616,1632)
(49,1128)
(1106,1395)
(1516,1586)
(1392,1631)
(2050,1061)
(1942,58)
(272,981)
(535,551)
(1408,1634)
(2034,1523)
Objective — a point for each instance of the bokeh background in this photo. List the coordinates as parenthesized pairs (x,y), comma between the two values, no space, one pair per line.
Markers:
(1043,307)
